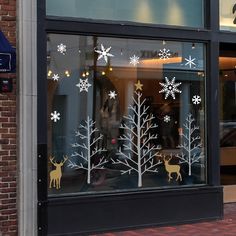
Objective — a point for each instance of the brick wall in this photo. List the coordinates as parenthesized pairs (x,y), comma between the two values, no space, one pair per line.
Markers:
(8,162)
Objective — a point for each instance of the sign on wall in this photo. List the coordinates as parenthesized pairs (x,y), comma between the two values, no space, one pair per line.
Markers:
(7,55)
(5,62)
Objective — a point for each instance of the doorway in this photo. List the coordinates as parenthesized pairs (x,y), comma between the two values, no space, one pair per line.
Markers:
(227,65)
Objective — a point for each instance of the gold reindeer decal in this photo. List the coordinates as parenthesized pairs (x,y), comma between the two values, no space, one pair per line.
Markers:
(172,169)
(55,175)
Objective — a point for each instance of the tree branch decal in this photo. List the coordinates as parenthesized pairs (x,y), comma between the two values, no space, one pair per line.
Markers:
(137,153)
(191,144)
(88,146)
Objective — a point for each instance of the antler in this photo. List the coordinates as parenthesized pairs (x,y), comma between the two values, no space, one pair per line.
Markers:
(51,160)
(65,159)
(166,159)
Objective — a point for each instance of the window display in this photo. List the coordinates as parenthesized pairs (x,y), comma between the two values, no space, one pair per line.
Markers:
(124,114)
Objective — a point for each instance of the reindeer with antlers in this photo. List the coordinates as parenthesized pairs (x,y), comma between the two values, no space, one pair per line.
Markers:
(172,169)
(55,175)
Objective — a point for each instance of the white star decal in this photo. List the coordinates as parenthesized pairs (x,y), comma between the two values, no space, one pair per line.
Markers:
(196,99)
(164,54)
(61,48)
(104,53)
(55,116)
(166,118)
(134,60)
(55,77)
(112,94)
(170,88)
(190,61)
(83,85)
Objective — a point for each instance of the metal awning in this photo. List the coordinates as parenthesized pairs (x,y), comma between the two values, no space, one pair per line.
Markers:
(7,55)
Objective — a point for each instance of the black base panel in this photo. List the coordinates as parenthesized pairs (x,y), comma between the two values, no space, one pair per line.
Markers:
(99,213)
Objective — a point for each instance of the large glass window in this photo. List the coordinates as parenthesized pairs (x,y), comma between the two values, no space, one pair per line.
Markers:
(228,113)
(167,12)
(124,114)
(228,15)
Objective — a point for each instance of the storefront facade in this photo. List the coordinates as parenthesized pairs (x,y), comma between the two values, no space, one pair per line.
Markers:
(125,110)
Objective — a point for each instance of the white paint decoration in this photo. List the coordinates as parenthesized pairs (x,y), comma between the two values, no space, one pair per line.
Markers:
(138,153)
(164,54)
(196,99)
(166,118)
(112,94)
(55,116)
(61,48)
(191,144)
(88,149)
(83,85)
(170,88)
(104,53)
(55,77)
(190,61)
(134,60)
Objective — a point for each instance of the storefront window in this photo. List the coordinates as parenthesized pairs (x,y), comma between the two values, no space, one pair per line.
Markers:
(228,113)
(228,15)
(124,114)
(167,12)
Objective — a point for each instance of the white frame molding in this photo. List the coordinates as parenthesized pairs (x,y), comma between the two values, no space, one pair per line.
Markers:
(27,116)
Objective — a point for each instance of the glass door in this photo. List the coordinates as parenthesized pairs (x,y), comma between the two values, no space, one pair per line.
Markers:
(227,77)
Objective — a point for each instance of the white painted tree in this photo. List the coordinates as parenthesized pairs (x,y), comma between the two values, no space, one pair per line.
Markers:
(90,149)
(190,144)
(138,152)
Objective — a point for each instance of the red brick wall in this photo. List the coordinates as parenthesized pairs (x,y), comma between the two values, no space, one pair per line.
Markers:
(8,162)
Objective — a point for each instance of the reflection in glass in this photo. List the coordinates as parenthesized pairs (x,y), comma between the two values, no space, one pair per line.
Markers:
(228,114)
(131,113)
(166,12)
(228,15)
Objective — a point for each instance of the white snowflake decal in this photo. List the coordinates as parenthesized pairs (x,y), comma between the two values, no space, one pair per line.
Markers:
(166,118)
(104,53)
(112,94)
(83,85)
(61,48)
(55,116)
(190,61)
(196,99)
(170,88)
(55,77)
(134,60)
(164,54)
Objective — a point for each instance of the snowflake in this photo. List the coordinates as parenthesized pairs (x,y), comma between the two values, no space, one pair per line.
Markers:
(164,54)
(55,77)
(190,61)
(166,118)
(134,60)
(112,94)
(104,53)
(61,48)
(55,116)
(83,85)
(196,99)
(170,88)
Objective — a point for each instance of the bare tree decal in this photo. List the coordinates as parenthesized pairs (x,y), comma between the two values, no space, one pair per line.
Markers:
(191,144)
(89,145)
(138,152)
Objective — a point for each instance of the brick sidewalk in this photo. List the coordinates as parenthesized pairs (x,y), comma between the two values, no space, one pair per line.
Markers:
(225,227)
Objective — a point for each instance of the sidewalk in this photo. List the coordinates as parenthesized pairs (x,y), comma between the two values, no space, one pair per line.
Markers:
(225,227)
